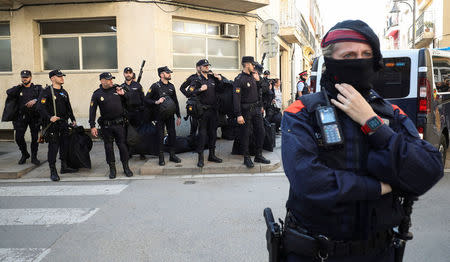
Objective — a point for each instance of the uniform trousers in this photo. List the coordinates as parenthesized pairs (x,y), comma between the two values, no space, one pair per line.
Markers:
(169,123)
(207,129)
(20,125)
(253,119)
(115,133)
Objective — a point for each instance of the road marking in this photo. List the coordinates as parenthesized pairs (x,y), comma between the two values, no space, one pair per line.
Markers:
(85,190)
(23,254)
(45,216)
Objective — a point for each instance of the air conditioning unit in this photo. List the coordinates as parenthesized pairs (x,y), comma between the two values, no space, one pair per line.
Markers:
(229,30)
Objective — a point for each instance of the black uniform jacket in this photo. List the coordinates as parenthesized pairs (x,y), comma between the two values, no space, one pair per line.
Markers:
(111,105)
(63,106)
(158,90)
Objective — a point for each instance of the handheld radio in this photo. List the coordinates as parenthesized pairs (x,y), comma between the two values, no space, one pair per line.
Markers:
(329,124)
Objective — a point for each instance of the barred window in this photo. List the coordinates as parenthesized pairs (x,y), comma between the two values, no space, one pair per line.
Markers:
(193,41)
(79,45)
(5,48)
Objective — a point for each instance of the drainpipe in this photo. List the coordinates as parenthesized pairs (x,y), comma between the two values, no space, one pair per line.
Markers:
(293,84)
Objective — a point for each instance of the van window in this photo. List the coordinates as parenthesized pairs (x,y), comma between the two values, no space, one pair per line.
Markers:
(393,80)
(441,69)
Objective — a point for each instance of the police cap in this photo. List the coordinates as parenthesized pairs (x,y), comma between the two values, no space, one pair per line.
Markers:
(25,73)
(56,72)
(128,69)
(267,72)
(203,62)
(248,59)
(107,76)
(164,69)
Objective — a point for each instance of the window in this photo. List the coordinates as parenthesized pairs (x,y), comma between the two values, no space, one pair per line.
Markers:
(193,41)
(393,81)
(441,69)
(79,45)
(5,48)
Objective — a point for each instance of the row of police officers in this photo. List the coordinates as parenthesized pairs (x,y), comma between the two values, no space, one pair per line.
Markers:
(126,104)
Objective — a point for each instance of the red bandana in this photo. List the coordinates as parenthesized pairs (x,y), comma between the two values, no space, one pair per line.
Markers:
(343,35)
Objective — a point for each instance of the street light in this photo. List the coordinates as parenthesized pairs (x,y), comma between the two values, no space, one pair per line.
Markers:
(396,10)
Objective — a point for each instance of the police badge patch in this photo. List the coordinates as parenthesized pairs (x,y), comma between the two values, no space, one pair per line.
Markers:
(248,84)
(101,98)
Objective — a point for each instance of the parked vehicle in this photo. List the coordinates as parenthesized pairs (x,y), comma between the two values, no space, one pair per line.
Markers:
(418,81)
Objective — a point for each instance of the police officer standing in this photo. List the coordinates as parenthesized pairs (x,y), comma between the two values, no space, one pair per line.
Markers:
(55,96)
(184,89)
(26,95)
(135,100)
(110,98)
(205,86)
(248,109)
(341,203)
(303,87)
(162,95)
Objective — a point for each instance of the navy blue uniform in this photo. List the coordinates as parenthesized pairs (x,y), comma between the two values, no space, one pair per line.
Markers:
(135,103)
(27,117)
(336,191)
(208,99)
(60,128)
(112,123)
(247,103)
(184,89)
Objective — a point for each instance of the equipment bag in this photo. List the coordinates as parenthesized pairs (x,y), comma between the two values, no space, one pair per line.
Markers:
(167,108)
(132,136)
(80,144)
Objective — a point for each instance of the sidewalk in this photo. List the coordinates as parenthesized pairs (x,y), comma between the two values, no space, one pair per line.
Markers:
(232,164)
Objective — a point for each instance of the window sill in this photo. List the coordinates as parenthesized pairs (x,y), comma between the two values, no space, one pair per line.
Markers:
(80,71)
(6,73)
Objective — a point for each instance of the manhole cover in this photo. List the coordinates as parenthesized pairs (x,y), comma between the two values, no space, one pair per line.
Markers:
(189,182)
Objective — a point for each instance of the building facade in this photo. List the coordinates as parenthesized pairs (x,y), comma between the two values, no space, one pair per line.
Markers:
(85,39)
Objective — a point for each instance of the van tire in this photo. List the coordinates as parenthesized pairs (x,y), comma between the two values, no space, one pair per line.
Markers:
(443,149)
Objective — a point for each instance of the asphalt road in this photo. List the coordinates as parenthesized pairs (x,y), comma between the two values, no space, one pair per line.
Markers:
(171,219)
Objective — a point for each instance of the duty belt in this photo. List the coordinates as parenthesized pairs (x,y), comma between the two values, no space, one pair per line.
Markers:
(297,240)
(118,121)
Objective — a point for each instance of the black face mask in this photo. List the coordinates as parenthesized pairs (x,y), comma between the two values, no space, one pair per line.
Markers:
(355,72)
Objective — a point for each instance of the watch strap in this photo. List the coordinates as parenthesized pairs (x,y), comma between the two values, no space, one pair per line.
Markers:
(366,128)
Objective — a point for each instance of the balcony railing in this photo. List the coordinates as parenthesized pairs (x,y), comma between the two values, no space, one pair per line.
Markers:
(291,17)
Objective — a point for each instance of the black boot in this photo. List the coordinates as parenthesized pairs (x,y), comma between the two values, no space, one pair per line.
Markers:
(53,173)
(212,156)
(161,159)
(260,159)
(126,169)
(34,159)
(24,158)
(174,158)
(66,169)
(200,162)
(112,170)
(248,162)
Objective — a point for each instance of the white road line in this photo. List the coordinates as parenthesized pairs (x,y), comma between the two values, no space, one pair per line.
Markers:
(84,190)
(45,216)
(23,254)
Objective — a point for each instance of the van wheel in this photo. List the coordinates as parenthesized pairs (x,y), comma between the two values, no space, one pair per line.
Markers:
(443,149)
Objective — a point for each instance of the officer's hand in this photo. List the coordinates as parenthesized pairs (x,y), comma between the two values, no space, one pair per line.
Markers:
(218,76)
(240,120)
(120,91)
(94,132)
(385,188)
(74,123)
(256,76)
(160,100)
(262,110)
(54,119)
(203,88)
(30,103)
(178,121)
(353,104)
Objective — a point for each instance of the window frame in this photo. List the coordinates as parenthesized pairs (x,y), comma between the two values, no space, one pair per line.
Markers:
(206,36)
(8,37)
(80,49)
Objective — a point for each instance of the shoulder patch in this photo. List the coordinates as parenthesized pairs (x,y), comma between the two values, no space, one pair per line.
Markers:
(191,89)
(92,103)
(396,107)
(149,90)
(43,100)
(295,107)
(238,90)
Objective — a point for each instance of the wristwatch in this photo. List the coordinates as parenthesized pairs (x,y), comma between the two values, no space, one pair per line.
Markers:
(372,125)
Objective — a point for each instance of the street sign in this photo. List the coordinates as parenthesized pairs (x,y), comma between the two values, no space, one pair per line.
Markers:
(269,30)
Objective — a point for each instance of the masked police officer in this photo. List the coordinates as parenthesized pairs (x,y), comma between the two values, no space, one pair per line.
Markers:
(205,86)
(248,109)
(110,99)
(135,100)
(162,95)
(26,95)
(184,89)
(56,96)
(341,200)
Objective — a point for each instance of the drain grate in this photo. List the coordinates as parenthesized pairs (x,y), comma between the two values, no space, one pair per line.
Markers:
(189,182)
